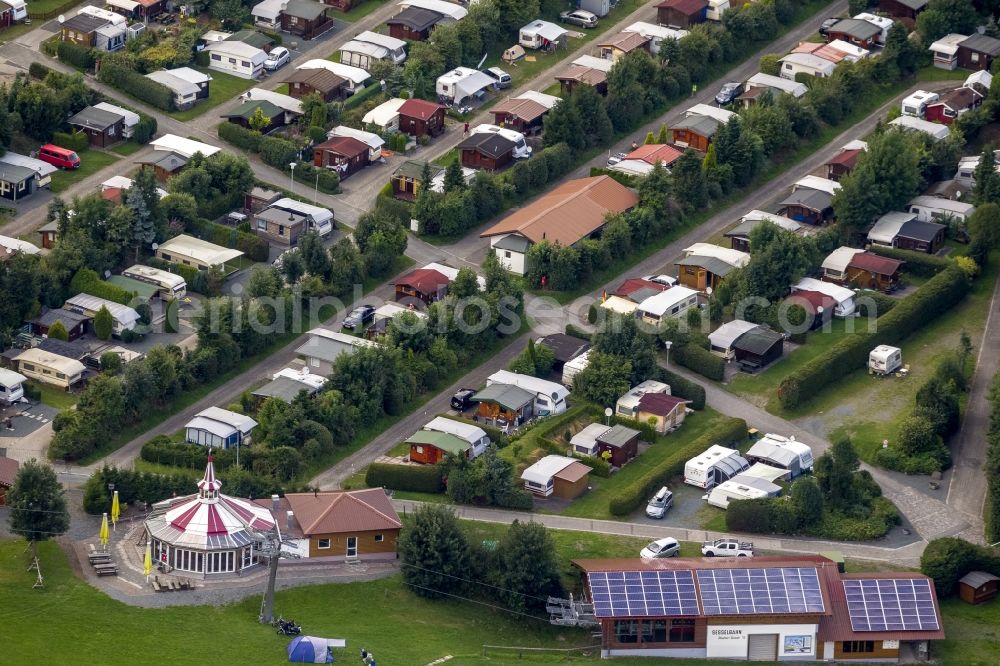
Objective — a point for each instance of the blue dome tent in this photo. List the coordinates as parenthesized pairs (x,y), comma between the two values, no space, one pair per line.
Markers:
(310,650)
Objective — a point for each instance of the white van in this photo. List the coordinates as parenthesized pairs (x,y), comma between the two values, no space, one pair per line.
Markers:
(521,148)
(11,386)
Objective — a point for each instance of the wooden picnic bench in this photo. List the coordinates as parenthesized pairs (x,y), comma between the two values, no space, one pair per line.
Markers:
(106,570)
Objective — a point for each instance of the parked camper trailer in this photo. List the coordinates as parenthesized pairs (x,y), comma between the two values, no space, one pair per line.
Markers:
(714,466)
(716,8)
(11,386)
(917,103)
(885,360)
(782,452)
(171,285)
(521,148)
(741,487)
(573,367)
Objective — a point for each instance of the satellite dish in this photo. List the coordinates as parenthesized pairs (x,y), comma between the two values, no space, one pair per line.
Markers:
(708,290)
(155,246)
(608,412)
(61,19)
(819,310)
(107,274)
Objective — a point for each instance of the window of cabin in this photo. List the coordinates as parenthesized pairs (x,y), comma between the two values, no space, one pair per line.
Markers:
(323,544)
(682,631)
(627,631)
(858,647)
(379,538)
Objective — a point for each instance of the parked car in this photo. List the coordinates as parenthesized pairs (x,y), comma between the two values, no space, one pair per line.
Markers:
(727,548)
(824,28)
(616,158)
(359,316)
(660,503)
(729,92)
(580,17)
(661,279)
(278,57)
(665,547)
(462,399)
(503,79)
(57,156)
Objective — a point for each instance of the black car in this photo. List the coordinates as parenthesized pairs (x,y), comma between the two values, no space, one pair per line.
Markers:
(728,93)
(359,316)
(462,400)
(824,28)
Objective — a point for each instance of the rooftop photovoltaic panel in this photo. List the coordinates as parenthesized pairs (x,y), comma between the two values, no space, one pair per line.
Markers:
(748,591)
(643,593)
(891,605)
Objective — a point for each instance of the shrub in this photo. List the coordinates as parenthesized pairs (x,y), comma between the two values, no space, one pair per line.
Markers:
(73,54)
(947,559)
(700,360)
(201,58)
(359,97)
(163,451)
(628,180)
(278,153)
(936,296)
(683,387)
(577,332)
(630,497)
(87,281)
(131,82)
(917,263)
(144,129)
(39,71)
(73,140)
(415,478)
(875,304)
(597,466)
(240,137)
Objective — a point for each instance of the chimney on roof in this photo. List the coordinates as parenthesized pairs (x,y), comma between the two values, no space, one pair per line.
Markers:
(274,502)
(289,520)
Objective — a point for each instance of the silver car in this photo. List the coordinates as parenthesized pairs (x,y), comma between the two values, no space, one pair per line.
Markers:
(665,547)
(278,57)
(660,503)
(580,17)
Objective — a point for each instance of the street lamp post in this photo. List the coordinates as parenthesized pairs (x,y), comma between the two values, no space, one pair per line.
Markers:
(291,178)
(668,344)
(316,191)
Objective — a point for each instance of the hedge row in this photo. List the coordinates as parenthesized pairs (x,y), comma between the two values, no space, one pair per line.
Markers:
(948,559)
(935,297)
(254,247)
(162,451)
(629,498)
(683,387)
(241,137)
(138,86)
(626,179)
(73,140)
(73,54)
(38,71)
(415,478)
(917,263)
(359,97)
(577,332)
(777,515)
(700,360)
(194,278)
(278,153)
(87,281)
(876,300)
(647,432)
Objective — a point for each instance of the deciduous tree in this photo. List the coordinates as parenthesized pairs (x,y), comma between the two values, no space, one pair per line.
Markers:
(434,553)
(527,572)
(37,504)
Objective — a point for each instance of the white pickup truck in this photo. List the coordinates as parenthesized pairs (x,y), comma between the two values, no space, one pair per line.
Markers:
(727,548)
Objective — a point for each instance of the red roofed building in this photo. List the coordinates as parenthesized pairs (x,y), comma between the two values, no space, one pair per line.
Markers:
(953,104)
(819,307)
(344,154)
(424,284)
(340,524)
(649,154)
(207,533)
(668,410)
(633,285)
(681,13)
(871,271)
(112,194)
(770,608)
(419,117)
(8,472)
(842,163)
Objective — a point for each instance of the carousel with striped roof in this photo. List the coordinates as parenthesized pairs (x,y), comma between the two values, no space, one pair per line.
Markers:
(207,533)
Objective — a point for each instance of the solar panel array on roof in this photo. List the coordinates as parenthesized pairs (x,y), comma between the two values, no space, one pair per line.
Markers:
(890,605)
(749,591)
(643,593)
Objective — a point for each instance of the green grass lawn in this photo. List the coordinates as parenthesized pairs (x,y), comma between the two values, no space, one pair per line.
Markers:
(91,161)
(973,634)
(447,158)
(53,396)
(358,11)
(127,148)
(223,88)
(15,31)
(594,504)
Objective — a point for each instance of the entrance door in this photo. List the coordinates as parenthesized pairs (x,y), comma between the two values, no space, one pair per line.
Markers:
(352,546)
(762,647)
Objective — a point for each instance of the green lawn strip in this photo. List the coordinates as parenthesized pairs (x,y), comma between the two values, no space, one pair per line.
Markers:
(53,396)
(127,148)
(43,6)
(401,263)
(932,73)
(777,165)
(91,161)
(594,504)
(446,159)
(973,634)
(15,31)
(358,11)
(223,88)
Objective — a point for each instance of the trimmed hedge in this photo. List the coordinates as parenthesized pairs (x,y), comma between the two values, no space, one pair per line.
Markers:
(935,297)
(138,86)
(881,303)
(631,497)
(278,153)
(87,281)
(628,180)
(917,263)
(38,71)
(415,478)
(948,559)
(194,278)
(597,466)
(73,54)
(239,136)
(73,140)
(360,97)
(682,387)
(254,247)
(163,451)
(700,360)
(577,332)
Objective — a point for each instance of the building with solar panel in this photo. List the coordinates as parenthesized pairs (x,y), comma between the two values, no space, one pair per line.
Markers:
(775,608)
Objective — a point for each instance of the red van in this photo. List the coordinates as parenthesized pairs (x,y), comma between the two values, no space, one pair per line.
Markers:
(60,157)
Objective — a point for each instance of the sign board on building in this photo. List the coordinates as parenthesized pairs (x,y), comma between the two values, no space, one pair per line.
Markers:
(732,641)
